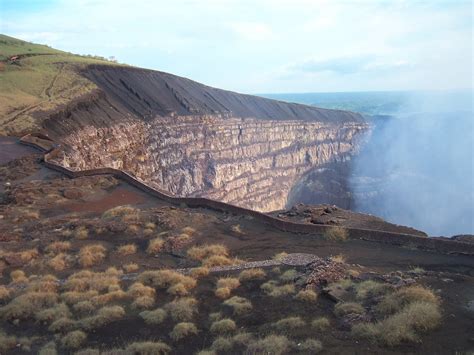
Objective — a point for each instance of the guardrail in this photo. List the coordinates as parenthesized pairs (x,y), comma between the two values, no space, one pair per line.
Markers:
(409,240)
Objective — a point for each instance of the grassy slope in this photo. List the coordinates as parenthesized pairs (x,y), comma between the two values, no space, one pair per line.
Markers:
(44,78)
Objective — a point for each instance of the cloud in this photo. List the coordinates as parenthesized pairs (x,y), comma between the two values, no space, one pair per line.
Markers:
(252,31)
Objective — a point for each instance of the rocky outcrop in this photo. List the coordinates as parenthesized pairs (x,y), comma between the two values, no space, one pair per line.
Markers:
(194,140)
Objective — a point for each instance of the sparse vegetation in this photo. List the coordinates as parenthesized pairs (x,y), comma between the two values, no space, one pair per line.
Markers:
(200,253)
(311,346)
(74,339)
(320,324)
(182,309)
(223,326)
(252,274)
(155,245)
(91,255)
(239,305)
(81,233)
(272,289)
(131,267)
(127,249)
(148,348)
(183,330)
(271,344)
(288,275)
(288,323)
(307,296)
(344,308)
(154,317)
(336,234)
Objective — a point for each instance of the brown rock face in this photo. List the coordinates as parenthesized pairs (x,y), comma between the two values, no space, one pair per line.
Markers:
(193,140)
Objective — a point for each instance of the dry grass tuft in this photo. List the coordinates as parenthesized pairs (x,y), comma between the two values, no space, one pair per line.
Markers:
(220,345)
(7,342)
(239,305)
(91,255)
(320,324)
(288,275)
(154,317)
(336,234)
(223,292)
(272,289)
(28,304)
(183,330)
(148,348)
(167,279)
(127,249)
(48,349)
(132,267)
(338,258)
(4,293)
(228,282)
(223,326)
(81,233)
(182,309)
(288,323)
(138,289)
(252,274)
(219,260)
(271,344)
(344,308)
(311,346)
(369,288)
(49,315)
(307,296)
(84,307)
(58,262)
(18,276)
(125,213)
(280,256)
(63,325)
(397,300)
(74,339)
(143,302)
(104,315)
(155,245)
(198,272)
(73,297)
(200,253)
(58,247)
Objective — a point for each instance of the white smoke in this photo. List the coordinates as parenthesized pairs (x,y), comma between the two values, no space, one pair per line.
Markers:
(417,168)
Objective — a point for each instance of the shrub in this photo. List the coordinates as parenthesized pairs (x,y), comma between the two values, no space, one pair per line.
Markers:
(205,251)
(143,302)
(73,297)
(198,272)
(320,324)
(215,316)
(47,283)
(81,233)
(218,260)
(273,290)
(307,296)
(132,267)
(28,304)
(138,289)
(289,323)
(155,245)
(74,339)
(62,325)
(148,348)
(344,308)
(229,282)
(223,292)
(177,290)
(312,346)
(59,262)
(166,278)
(182,309)
(371,288)
(239,305)
(242,338)
(4,293)
(183,330)
(221,344)
(91,255)
(58,247)
(126,212)
(280,256)
(48,349)
(111,296)
(400,298)
(49,315)
(271,344)
(223,326)
(105,315)
(288,275)
(336,234)
(127,249)
(154,317)
(84,307)
(252,274)
(7,342)
(18,276)
(338,258)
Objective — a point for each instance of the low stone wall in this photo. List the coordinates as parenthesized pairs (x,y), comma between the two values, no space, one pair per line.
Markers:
(407,240)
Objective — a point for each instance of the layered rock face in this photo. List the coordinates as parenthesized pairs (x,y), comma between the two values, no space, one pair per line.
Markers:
(193,140)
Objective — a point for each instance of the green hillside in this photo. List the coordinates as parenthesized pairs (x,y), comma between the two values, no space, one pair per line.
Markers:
(41,79)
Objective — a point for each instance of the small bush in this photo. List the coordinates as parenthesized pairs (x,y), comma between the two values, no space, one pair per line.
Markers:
(59,262)
(198,272)
(344,308)
(182,309)
(132,267)
(154,317)
(28,304)
(252,274)
(48,349)
(223,326)
(4,293)
(397,300)
(307,296)
(84,307)
(371,288)
(221,344)
(271,344)
(91,255)
(63,325)
(242,338)
(286,324)
(166,279)
(218,260)
(223,292)
(18,276)
(148,348)
(320,324)
(288,275)
(155,245)
(73,297)
(336,234)
(239,305)
(229,282)
(49,315)
(58,247)
(280,256)
(143,302)
(273,290)
(74,339)
(7,342)
(105,315)
(137,289)
(81,233)
(127,213)
(127,249)
(311,345)
(183,330)
(205,251)
(338,258)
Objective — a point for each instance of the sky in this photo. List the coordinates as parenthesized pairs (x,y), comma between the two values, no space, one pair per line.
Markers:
(265,46)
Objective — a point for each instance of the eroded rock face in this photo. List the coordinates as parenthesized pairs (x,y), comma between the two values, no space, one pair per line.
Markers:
(247,162)
(194,140)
